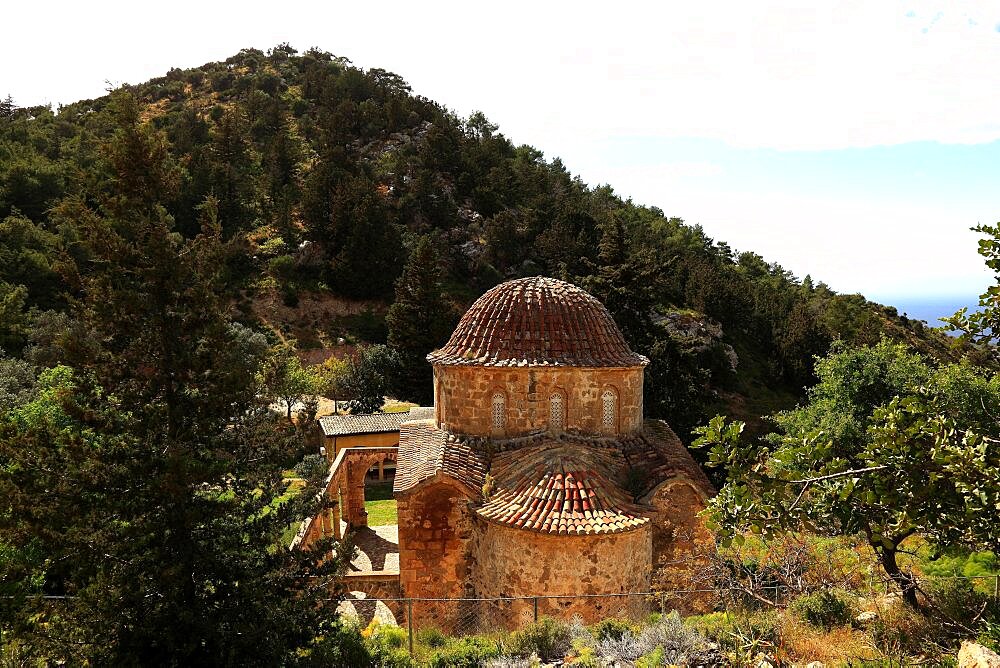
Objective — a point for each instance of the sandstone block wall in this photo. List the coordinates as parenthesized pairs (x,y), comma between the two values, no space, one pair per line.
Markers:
(514,562)
(681,542)
(436,559)
(463,398)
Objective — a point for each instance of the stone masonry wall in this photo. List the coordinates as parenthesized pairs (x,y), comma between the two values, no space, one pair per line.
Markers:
(435,554)
(463,395)
(680,541)
(514,562)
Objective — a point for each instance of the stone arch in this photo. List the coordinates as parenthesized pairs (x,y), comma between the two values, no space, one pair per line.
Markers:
(682,542)
(359,463)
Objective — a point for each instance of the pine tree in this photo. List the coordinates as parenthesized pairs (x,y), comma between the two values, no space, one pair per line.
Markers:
(144,480)
(419,321)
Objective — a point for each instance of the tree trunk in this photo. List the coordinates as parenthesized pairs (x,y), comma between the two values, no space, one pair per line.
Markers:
(907,585)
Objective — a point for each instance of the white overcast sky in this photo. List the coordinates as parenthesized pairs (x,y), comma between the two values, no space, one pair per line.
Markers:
(814,133)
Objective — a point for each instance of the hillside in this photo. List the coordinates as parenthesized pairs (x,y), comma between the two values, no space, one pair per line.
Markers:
(323,176)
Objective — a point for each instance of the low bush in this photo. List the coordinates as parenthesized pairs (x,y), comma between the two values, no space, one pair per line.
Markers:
(548,638)
(471,652)
(613,629)
(680,645)
(387,645)
(432,638)
(824,609)
(957,602)
(341,644)
(742,636)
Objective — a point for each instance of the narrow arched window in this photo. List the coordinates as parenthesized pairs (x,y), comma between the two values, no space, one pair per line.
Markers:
(499,410)
(609,411)
(557,412)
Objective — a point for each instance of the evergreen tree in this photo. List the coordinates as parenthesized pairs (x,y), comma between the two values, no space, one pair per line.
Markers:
(369,378)
(144,480)
(419,321)
(367,249)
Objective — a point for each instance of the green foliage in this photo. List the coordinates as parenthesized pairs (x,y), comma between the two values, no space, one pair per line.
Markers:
(419,321)
(142,477)
(962,609)
(742,636)
(284,377)
(312,467)
(653,659)
(369,378)
(470,652)
(550,639)
(612,628)
(17,383)
(980,565)
(825,609)
(13,316)
(981,326)
(887,447)
(387,645)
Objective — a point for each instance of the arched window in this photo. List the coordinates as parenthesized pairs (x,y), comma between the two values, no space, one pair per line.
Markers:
(499,410)
(609,411)
(557,411)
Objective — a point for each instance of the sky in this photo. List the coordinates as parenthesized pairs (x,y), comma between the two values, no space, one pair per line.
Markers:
(857,142)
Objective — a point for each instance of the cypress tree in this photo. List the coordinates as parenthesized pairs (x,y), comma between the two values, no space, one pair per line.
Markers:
(144,480)
(419,321)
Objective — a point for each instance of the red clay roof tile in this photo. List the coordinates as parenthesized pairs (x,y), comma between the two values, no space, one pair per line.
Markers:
(560,488)
(537,321)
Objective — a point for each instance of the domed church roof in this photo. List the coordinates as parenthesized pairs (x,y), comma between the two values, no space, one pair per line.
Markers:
(537,321)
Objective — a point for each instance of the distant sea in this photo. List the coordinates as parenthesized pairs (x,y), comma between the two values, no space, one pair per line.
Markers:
(929,309)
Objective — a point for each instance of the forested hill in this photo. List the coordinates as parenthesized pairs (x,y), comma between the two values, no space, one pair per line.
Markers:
(324,177)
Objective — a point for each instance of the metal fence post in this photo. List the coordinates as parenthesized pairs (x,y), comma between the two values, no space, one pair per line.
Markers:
(534,603)
(663,603)
(996,586)
(409,622)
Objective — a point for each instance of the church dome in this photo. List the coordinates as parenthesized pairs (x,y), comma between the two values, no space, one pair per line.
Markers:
(537,321)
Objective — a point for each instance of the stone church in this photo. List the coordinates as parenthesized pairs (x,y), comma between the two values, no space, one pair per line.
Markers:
(537,474)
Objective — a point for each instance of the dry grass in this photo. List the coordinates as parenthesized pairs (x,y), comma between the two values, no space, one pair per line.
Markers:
(804,643)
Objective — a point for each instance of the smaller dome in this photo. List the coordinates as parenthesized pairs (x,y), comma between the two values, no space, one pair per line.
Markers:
(537,321)
(561,490)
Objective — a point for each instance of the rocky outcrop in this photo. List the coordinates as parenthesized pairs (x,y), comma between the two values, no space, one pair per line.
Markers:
(974,655)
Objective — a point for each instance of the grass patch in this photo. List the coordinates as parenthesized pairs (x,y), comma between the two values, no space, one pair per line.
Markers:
(397,406)
(380,504)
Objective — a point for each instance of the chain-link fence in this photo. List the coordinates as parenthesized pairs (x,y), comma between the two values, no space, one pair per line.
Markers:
(484,616)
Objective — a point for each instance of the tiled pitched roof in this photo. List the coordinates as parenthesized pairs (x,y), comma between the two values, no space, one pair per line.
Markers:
(425,451)
(368,423)
(561,489)
(537,321)
(568,483)
(658,454)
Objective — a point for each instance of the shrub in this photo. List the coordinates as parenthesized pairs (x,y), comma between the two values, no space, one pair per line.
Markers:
(548,638)
(387,645)
(433,638)
(584,655)
(743,635)
(624,649)
(824,609)
(653,659)
(340,645)
(470,652)
(614,629)
(312,467)
(680,645)
(957,601)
